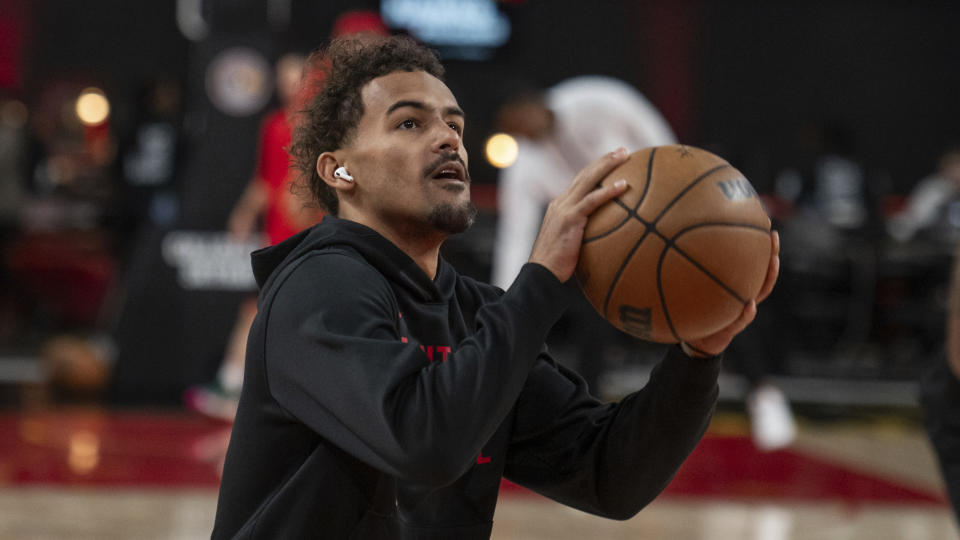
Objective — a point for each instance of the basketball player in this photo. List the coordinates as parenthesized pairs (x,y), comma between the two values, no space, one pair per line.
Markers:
(385,395)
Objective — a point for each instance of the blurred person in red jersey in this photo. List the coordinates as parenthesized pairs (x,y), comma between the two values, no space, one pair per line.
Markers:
(269,195)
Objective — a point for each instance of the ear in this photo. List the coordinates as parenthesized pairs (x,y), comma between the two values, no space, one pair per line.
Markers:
(326,164)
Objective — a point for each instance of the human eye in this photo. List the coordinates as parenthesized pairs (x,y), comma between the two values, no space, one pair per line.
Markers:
(409,123)
(456,127)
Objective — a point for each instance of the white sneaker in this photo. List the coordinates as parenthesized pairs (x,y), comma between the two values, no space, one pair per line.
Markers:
(213,401)
(771,421)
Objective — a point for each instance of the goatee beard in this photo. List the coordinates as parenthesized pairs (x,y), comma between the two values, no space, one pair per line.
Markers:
(453,219)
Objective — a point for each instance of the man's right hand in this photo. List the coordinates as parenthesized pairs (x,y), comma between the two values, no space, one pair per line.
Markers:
(558,244)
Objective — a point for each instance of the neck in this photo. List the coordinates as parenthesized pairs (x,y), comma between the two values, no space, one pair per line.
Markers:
(421,245)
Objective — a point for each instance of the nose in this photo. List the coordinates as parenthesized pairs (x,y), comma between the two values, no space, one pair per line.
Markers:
(447,139)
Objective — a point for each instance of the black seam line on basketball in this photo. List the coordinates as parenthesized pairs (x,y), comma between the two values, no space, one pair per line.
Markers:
(706,272)
(739,224)
(646,187)
(616,227)
(663,300)
(616,277)
(671,242)
(690,186)
(631,213)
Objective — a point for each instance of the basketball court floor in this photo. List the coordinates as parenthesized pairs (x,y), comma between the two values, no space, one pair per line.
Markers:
(96,474)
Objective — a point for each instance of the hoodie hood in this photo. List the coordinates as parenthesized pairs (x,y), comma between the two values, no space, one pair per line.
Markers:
(382,254)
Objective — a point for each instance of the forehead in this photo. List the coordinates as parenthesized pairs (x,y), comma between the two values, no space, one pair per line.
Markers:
(380,93)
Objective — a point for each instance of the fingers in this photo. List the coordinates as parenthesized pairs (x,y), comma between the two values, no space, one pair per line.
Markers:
(597,197)
(773,269)
(746,317)
(595,171)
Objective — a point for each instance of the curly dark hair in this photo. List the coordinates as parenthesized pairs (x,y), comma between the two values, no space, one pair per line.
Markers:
(330,119)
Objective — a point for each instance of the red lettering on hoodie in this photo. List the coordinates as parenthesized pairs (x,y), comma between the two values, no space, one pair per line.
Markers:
(442,350)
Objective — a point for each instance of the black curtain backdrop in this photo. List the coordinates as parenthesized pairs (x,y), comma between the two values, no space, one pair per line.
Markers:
(170,337)
(748,73)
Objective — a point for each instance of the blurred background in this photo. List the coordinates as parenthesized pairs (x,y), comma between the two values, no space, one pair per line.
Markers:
(129,132)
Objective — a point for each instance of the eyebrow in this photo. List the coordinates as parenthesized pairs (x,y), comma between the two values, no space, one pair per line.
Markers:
(455,111)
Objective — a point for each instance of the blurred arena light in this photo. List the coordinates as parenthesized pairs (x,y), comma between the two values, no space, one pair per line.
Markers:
(501,150)
(92,107)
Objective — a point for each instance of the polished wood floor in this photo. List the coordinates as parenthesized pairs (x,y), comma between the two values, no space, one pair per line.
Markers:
(94,474)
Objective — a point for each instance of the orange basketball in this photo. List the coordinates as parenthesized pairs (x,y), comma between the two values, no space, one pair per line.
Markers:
(679,254)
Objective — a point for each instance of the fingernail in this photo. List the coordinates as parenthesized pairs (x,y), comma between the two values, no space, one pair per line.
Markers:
(620,152)
(619,184)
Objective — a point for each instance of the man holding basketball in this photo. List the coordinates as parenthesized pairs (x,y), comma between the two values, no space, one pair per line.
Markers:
(385,396)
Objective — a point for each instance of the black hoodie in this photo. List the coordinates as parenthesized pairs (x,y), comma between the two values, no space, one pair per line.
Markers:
(378,403)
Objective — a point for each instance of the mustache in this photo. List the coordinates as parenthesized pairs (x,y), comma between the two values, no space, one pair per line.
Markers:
(446,158)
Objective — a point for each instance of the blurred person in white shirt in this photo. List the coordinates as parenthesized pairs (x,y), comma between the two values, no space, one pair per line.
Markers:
(930,201)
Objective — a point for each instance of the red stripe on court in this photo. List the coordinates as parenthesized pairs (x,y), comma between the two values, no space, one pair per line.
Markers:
(150,449)
(730,467)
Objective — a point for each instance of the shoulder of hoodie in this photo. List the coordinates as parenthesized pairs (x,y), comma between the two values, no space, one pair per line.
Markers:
(343,270)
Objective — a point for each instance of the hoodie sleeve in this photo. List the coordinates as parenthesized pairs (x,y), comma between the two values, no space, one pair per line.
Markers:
(336,362)
(610,459)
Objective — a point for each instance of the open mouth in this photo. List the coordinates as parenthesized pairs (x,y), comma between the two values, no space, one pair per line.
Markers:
(450,171)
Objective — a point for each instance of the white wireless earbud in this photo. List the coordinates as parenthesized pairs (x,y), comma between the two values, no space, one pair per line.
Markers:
(341,172)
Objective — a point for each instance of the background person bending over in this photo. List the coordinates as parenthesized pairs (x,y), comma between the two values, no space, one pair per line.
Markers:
(385,395)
